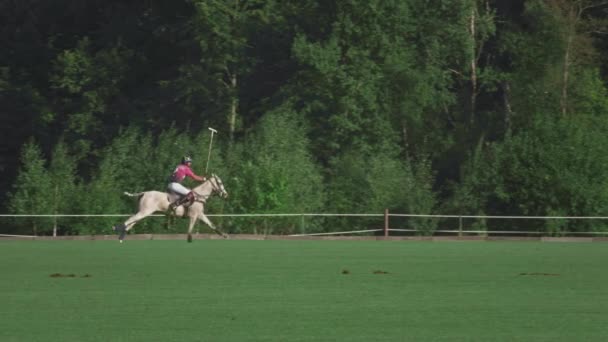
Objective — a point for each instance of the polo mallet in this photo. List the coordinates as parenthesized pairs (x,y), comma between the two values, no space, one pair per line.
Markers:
(209,154)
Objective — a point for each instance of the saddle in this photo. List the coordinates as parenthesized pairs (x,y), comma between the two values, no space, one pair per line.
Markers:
(183,200)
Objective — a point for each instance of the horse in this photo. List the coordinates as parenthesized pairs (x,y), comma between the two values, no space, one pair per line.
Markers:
(153,201)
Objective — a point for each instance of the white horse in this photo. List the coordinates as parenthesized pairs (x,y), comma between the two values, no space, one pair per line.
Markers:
(153,201)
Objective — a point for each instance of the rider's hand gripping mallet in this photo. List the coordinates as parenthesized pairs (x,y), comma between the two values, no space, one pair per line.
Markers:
(210,142)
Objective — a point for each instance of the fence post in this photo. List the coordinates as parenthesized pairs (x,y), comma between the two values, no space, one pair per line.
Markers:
(302,229)
(385,222)
(459,225)
(55,211)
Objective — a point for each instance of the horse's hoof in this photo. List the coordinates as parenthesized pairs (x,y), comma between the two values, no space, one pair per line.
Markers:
(189,238)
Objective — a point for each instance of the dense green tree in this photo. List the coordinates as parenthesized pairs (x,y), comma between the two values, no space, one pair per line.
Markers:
(120,170)
(276,172)
(85,81)
(211,82)
(342,78)
(407,105)
(64,186)
(554,169)
(370,183)
(33,192)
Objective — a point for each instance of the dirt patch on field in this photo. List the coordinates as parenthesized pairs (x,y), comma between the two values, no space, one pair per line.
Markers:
(345,271)
(70,275)
(380,272)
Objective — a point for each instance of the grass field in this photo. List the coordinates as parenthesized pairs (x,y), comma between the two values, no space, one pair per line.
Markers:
(230,290)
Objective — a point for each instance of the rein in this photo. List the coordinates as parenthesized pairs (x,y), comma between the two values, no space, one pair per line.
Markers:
(203,198)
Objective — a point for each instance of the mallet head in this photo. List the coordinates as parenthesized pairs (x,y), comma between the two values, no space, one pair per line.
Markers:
(212,130)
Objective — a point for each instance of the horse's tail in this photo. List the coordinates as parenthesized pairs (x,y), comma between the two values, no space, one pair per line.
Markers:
(137,194)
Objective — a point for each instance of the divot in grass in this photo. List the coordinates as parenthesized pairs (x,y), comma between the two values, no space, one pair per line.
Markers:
(380,272)
(71,275)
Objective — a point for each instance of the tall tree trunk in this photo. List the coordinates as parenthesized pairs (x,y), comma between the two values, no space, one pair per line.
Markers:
(234,102)
(404,132)
(506,95)
(473,63)
(573,11)
(563,101)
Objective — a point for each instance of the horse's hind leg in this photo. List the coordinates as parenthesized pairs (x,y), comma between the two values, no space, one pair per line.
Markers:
(129,223)
(136,218)
(120,228)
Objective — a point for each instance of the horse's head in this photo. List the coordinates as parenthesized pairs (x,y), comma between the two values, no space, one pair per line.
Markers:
(218,186)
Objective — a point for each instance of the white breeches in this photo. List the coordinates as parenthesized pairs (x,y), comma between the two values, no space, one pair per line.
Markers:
(178,188)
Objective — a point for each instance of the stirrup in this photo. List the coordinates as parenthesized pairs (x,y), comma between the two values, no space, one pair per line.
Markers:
(173,206)
(180,201)
(187,200)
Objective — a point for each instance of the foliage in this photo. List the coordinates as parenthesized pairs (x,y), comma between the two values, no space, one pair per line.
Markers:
(551,170)
(280,176)
(370,183)
(86,81)
(32,191)
(464,107)
(65,188)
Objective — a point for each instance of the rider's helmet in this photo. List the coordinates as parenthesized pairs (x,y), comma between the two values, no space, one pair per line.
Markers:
(186,159)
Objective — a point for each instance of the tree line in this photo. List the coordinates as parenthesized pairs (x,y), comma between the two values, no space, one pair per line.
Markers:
(472,107)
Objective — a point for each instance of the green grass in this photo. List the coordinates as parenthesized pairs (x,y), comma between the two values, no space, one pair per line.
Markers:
(229,290)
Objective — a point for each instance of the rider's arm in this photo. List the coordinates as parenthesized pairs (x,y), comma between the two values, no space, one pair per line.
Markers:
(194,176)
(197,178)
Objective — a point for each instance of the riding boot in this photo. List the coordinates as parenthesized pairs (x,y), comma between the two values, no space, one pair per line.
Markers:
(188,198)
(177,203)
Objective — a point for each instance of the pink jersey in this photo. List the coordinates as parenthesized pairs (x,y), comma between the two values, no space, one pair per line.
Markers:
(181,171)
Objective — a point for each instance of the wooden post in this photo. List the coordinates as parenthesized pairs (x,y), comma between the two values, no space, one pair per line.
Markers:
(55,210)
(460,226)
(385,222)
(302,229)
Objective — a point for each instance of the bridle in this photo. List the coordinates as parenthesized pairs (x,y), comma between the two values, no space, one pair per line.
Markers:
(214,188)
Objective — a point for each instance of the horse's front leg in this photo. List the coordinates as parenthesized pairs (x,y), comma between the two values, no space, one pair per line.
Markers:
(205,219)
(190,226)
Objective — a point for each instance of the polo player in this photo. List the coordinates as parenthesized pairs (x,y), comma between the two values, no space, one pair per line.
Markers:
(180,173)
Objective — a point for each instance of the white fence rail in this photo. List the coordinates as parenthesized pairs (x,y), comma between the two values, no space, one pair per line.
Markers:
(460,230)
